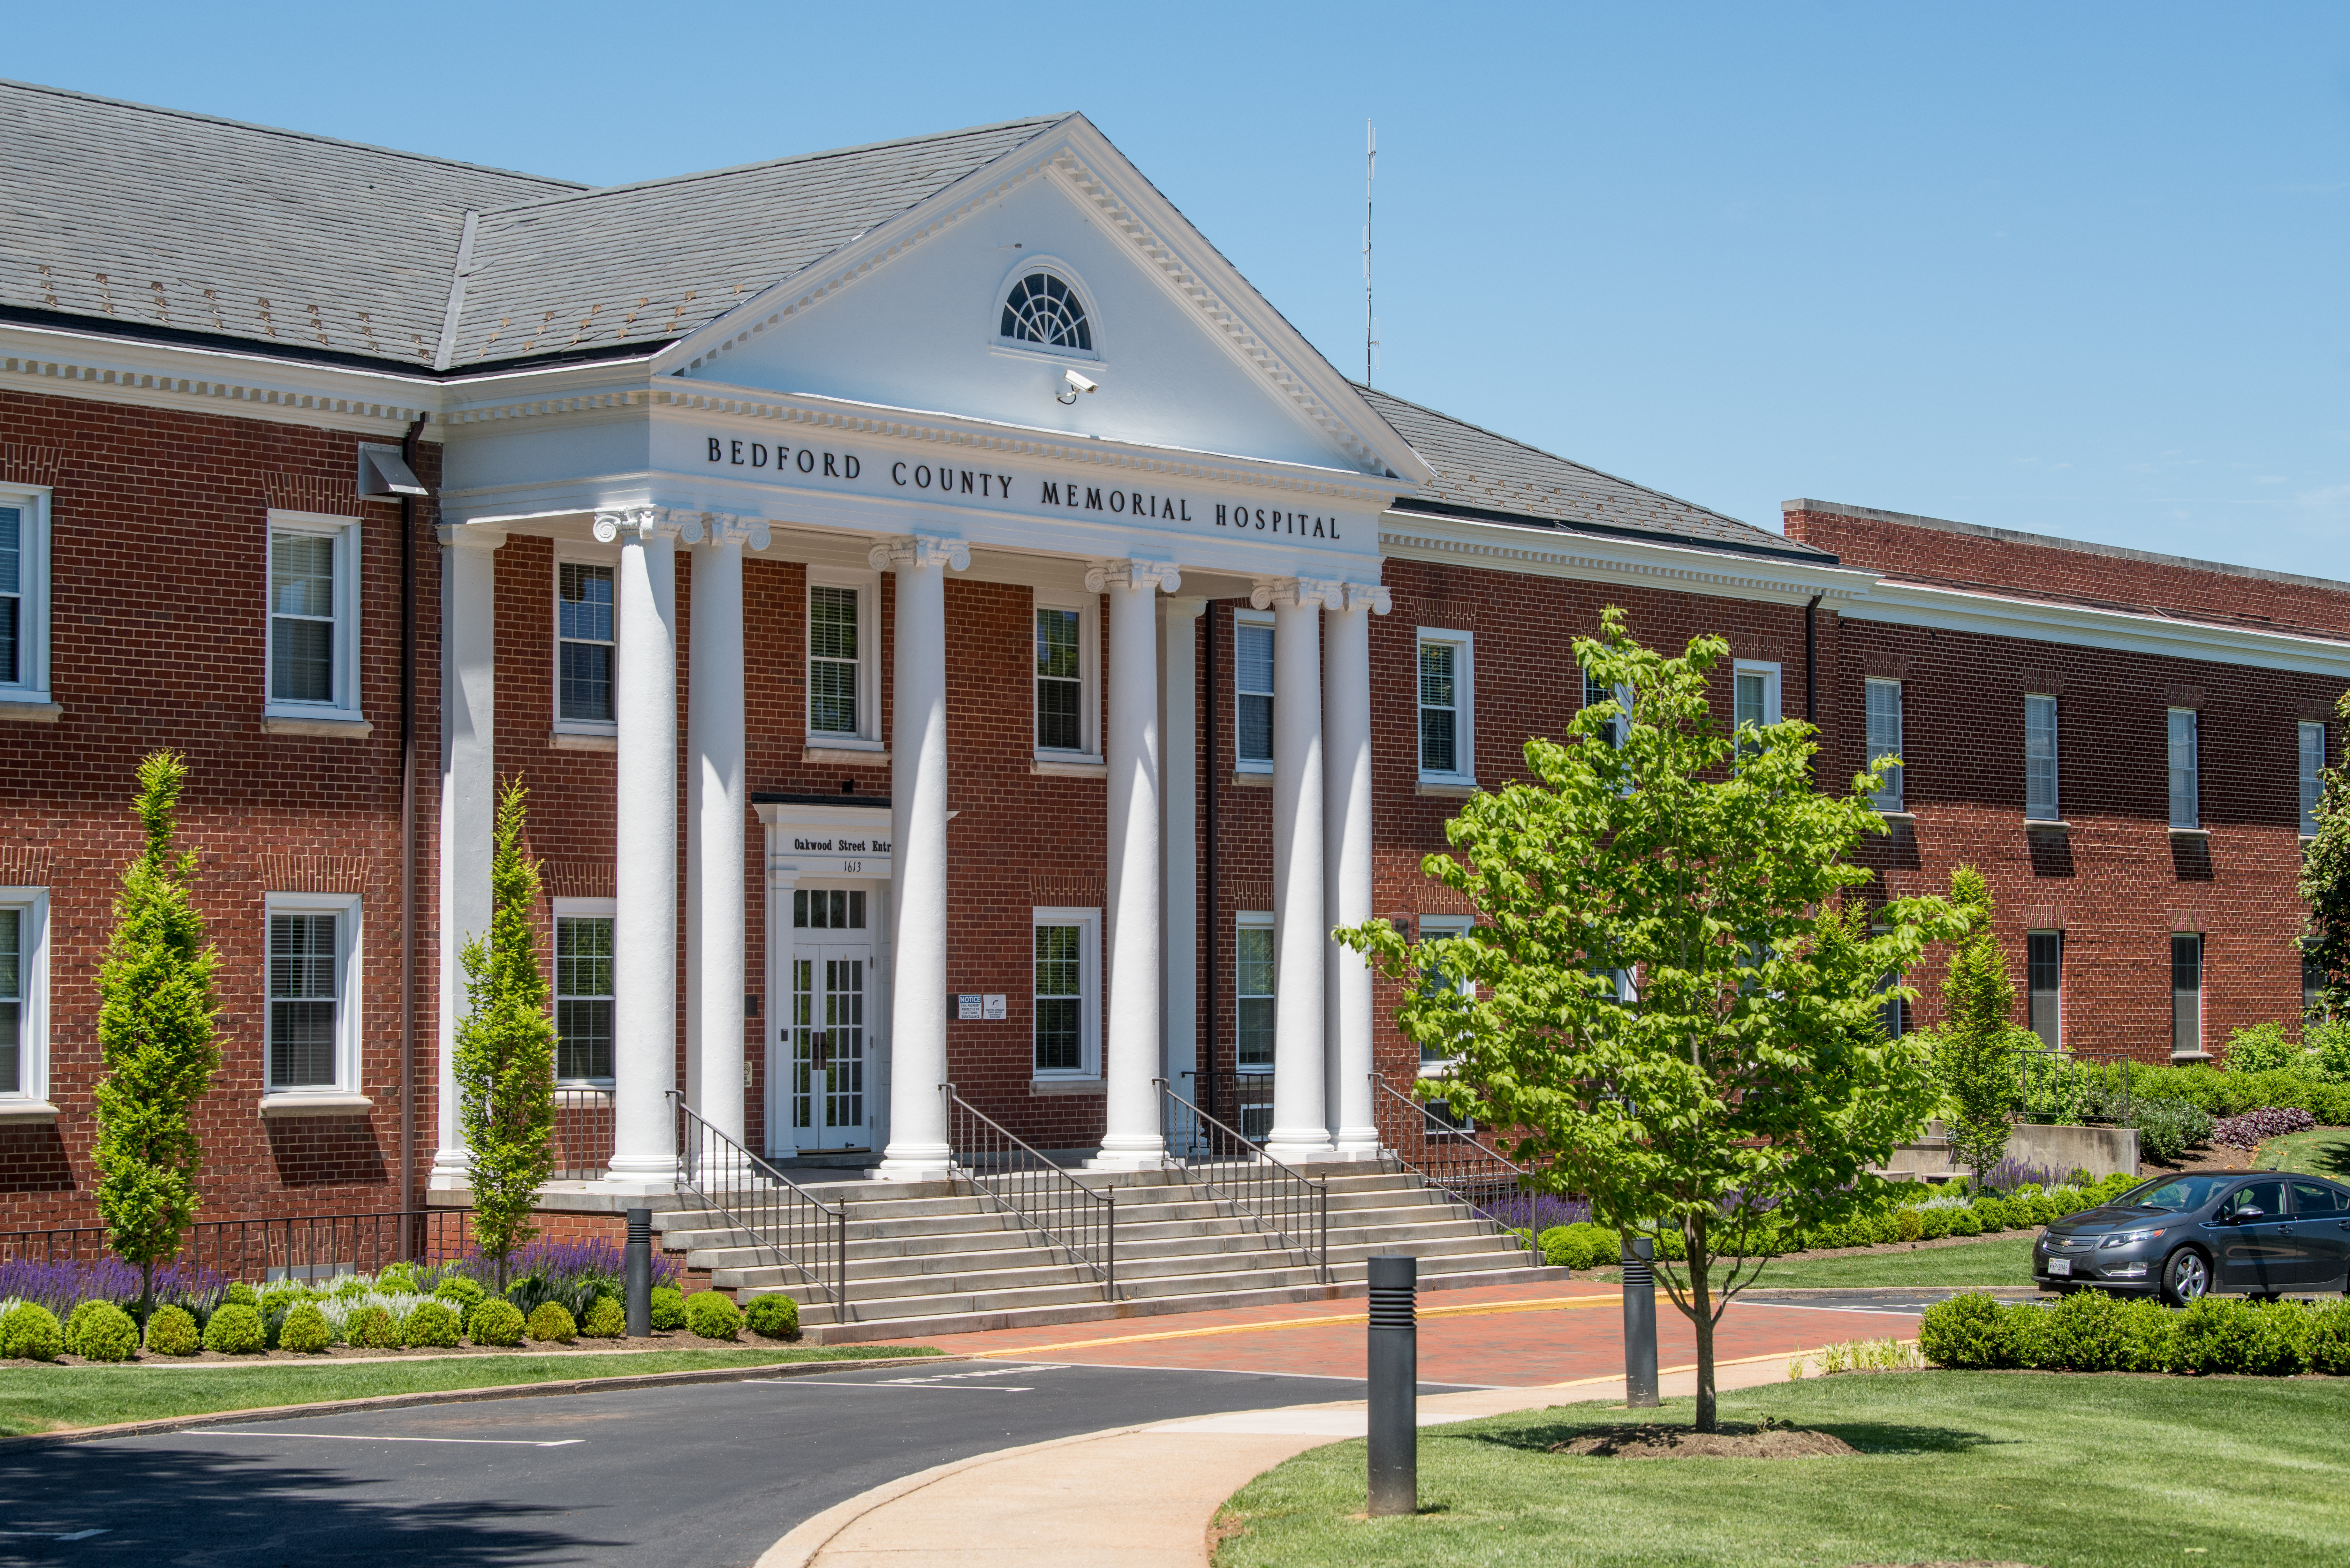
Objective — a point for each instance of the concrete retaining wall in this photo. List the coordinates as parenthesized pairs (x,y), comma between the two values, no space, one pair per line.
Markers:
(2101,1151)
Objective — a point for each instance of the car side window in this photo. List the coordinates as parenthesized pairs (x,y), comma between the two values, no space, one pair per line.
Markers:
(2268,1197)
(2316,1198)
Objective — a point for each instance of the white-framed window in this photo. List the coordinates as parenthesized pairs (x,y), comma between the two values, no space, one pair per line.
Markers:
(1885,740)
(2186,769)
(1753,698)
(314,623)
(844,660)
(1434,1061)
(2044,965)
(1045,309)
(1066,999)
(1253,976)
(24,594)
(24,995)
(583,992)
(2186,994)
(312,986)
(587,632)
(1068,628)
(1448,713)
(2040,803)
(1619,723)
(1253,691)
(2313,774)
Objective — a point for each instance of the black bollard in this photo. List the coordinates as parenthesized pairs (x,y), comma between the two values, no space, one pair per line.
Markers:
(640,1263)
(1640,1323)
(1395,1387)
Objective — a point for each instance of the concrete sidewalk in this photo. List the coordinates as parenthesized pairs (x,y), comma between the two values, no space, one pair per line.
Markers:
(1136,1497)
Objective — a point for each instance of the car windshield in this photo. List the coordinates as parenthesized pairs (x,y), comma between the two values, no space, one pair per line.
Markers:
(2175,1194)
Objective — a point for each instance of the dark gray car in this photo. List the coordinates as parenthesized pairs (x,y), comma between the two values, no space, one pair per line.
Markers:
(2261,1234)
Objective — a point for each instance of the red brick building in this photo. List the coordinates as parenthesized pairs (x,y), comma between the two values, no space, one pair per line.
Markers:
(952,629)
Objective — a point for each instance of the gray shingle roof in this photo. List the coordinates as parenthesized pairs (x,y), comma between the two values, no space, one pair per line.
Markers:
(653,261)
(157,218)
(1499,480)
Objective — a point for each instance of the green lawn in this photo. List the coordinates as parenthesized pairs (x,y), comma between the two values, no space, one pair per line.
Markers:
(2321,1151)
(42,1399)
(2004,1262)
(2060,1471)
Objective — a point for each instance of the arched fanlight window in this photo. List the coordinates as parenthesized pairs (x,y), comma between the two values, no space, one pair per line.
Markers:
(1042,309)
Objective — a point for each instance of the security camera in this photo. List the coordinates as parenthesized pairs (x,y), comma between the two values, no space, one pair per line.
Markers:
(1073,384)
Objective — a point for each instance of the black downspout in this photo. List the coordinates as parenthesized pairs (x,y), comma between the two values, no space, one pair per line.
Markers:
(1812,671)
(408,843)
(1215,899)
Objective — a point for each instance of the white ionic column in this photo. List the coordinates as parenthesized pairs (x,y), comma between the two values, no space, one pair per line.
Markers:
(469,635)
(715,803)
(644,882)
(1301,1130)
(1347,858)
(1179,774)
(918,1149)
(1131,1135)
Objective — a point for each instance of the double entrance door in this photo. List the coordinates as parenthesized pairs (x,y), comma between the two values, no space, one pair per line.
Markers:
(828,1037)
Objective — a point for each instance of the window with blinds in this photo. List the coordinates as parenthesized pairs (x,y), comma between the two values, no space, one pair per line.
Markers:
(2313,774)
(585,641)
(2186,769)
(302,1001)
(2040,759)
(2186,995)
(1253,992)
(583,998)
(1252,695)
(1884,741)
(835,664)
(2044,976)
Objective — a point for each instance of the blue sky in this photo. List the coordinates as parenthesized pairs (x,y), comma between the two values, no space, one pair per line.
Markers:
(2074,270)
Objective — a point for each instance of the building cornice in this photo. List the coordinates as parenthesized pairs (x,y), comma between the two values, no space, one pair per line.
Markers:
(1507,547)
(46,361)
(2038,620)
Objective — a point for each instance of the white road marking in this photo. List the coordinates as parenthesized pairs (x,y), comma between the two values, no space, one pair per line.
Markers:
(364,1437)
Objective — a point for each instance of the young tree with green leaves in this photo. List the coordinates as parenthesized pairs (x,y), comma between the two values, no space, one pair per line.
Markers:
(1977,1047)
(2326,883)
(1675,1011)
(505,1064)
(155,1017)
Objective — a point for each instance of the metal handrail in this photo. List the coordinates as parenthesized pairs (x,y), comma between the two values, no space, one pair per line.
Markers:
(1446,1157)
(784,1218)
(1024,1184)
(1282,1202)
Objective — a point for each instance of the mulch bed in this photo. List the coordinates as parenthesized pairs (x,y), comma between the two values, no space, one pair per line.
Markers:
(1736,1440)
(679,1339)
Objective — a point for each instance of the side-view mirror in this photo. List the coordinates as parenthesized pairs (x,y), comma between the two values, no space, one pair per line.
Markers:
(2246,1215)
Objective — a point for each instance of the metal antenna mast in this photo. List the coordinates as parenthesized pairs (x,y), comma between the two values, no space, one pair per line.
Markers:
(1371,322)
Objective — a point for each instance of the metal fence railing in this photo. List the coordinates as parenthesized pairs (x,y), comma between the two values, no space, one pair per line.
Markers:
(1277,1200)
(1446,1153)
(280,1247)
(583,1132)
(1078,1220)
(801,1231)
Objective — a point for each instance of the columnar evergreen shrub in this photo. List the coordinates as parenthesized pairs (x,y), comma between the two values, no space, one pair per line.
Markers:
(100,1331)
(713,1315)
(608,1319)
(551,1323)
(171,1331)
(305,1331)
(1977,1047)
(497,1322)
(155,1017)
(236,1330)
(668,1307)
(773,1317)
(371,1328)
(430,1325)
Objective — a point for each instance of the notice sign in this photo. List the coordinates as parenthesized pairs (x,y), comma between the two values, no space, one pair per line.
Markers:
(991,1007)
(976,1007)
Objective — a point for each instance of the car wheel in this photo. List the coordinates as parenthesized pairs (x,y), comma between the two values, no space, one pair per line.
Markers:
(2186,1277)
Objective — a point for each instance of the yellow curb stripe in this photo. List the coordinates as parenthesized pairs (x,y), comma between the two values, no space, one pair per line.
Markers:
(1341,1319)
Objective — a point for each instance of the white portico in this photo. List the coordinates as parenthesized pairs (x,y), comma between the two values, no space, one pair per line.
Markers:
(1219,459)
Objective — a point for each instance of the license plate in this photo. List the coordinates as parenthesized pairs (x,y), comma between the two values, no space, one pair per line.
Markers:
(2060,1265)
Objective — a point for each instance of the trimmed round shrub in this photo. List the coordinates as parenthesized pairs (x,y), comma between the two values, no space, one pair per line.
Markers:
(431,1325)
(1964,1331)
(712,1315)
(30,1331)
(497,1322)
(608,1319)
(668,1307)
(1965,1222)
(1909,1225)
(2088,1332)
(100,1331)
(235,1329)
(305,1331)
(399,1278)
(1582,1245)
(2329,1339)
(551,1323)
(1992,1213)
(171,1331)
(1933,1225)
(773,1317)
(371,1328)
(459,1291)
(240,1294)
(2225,1335)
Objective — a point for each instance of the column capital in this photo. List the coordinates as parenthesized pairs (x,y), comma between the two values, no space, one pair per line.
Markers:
(646,523)
(1185,607)
(906,552)
(728,528)
(470,535)
(1147,577)
(1297,593)
(1372,596)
